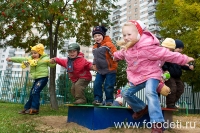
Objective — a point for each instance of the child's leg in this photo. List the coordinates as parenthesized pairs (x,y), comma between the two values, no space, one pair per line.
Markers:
(39,84)
(79,87)
(28,103)
(180,89)
(73,90)
(132,100)
(98,93)
(170,98)
(154,107)
(109,87)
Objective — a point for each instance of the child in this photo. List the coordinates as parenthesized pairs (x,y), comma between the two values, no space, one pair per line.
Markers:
(39,62)
(143,59)
(118,99)
(106,67)
(175,83)
(78,69)
(168,43)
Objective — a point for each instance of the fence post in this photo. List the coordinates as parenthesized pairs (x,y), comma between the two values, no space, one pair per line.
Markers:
(194,109)
(23,94)
(186,106)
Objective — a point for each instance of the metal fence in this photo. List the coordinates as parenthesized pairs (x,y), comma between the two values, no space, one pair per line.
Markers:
(15,87)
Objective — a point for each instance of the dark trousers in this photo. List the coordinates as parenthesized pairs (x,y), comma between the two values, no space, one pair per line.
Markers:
(177,88)
(34,98)
(108,86)
(78,87)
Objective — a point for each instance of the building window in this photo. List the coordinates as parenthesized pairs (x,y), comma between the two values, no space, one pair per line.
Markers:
(136,9)
(2,61)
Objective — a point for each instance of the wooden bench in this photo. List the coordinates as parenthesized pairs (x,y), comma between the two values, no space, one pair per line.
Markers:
(102,117)
(168,114)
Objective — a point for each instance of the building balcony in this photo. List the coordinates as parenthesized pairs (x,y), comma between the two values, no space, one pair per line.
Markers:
(11,51)
(9,69)
(151,16)
(9,63)
(151,10)
(154,28)
(153,23)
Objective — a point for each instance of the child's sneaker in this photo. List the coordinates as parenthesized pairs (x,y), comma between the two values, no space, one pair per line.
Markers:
(96,102)
(109,104)
(32,112)
(79,101)
(23,112)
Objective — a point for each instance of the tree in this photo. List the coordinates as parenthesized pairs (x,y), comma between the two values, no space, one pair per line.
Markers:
(179,19)
(55,21)
(121,77)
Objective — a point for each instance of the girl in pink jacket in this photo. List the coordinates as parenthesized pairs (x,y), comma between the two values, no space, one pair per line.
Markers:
(144,58)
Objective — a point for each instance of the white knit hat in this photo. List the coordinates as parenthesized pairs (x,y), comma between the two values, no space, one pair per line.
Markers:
(140,27)
(169,43)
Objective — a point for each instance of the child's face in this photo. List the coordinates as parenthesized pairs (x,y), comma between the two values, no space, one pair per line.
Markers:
(35,55)
(178,50)
(72,53)
(130,33)
(98,38)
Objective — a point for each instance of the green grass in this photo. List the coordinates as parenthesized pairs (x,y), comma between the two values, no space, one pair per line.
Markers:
(12,122)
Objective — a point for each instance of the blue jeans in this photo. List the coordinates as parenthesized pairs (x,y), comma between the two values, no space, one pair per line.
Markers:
(34,98)
(153,102)
(108,85)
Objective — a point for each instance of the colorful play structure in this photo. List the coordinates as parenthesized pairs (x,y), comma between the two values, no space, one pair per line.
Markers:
(102,117)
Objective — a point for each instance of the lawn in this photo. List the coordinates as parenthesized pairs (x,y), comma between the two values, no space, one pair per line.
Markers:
(12,122)
(54,121)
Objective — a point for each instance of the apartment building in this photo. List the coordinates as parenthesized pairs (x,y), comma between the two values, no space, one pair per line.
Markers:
(143,10)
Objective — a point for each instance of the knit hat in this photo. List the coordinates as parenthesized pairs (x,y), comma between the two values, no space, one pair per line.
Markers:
(39,48)
(169,43)
(140,27)
(179,44)
(99,30)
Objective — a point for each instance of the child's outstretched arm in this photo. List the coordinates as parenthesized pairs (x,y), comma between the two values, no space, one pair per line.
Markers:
(60,61)
(17,59)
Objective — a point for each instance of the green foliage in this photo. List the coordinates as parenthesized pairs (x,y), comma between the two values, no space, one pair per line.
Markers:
(56,19)
(179,19)
(121,74)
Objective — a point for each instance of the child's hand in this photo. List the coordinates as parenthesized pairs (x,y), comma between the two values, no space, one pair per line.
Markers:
(94,67)
(8,59)
(191,67)
(52,61)
(190,59)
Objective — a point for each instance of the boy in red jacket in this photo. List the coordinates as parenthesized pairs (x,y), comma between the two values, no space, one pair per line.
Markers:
(78,69)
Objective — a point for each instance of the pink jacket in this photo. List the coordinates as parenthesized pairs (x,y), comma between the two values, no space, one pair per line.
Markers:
(145,59)
(80,65)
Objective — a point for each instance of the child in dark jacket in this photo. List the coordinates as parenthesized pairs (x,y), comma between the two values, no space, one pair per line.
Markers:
(106,67)
(175,83)
(78,69)
(39,63)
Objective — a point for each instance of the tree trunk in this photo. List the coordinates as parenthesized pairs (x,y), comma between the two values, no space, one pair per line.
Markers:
(52,86)
(53,100)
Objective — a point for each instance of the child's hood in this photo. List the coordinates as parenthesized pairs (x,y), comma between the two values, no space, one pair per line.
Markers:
(147,39)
